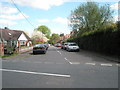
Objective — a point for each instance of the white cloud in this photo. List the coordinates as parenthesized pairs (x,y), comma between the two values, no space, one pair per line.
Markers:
(60,30)
(43,20)
(61,20)
(116,18)
(13,17)
(8,14)
(7,9)
(40,4)
(93,0)
(114,6)
(7,22)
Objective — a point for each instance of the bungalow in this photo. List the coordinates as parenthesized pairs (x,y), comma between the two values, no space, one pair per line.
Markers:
(13,40)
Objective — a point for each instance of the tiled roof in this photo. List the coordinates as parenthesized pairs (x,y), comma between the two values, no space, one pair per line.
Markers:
(7,34)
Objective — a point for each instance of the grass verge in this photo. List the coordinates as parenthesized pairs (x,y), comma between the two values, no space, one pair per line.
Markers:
(9,55)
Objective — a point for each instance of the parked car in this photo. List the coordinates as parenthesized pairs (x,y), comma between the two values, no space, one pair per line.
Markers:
(55,45)
(72,47)
(58,45)
(39,48)
(64,46)
(46,45)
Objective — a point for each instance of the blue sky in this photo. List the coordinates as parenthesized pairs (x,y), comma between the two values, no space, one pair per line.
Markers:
(52,13)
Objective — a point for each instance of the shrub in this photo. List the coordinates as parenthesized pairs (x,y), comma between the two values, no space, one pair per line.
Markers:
(103,41)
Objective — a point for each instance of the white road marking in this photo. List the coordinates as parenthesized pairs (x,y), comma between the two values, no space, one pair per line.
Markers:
(37,62)
(59,63)
(67,60)
(106,64)
(38,73)
(48,62)
(90,63)
(59,52)
(74,62)
(118,64)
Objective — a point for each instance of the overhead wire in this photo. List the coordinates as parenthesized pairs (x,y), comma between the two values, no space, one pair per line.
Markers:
(22,14)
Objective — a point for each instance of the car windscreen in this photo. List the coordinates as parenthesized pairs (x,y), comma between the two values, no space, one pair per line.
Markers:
(39,45)
(58,44)
(72,44)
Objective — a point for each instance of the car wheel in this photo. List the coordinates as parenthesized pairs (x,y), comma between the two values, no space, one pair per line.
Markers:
(68,50)
(44,52)
(33,52)
(78,50)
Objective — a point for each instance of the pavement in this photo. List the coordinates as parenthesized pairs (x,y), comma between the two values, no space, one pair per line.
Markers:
(59,69)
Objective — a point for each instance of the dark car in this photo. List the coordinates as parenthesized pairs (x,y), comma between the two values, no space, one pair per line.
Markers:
(39,48)
(46,45)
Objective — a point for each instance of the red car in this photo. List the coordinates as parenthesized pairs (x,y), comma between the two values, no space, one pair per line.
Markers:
(58,45)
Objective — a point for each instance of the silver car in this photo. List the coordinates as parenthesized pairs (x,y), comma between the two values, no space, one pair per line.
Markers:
(64,46)
(72,47)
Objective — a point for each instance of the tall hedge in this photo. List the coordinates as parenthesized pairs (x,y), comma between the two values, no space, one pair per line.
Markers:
(107,41)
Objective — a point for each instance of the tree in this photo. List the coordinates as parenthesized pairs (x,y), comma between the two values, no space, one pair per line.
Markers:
(45,30)
(62,34)
(90,16)
(54,38)
(38,37)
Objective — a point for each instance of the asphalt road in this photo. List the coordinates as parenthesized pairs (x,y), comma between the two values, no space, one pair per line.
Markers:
(59,69)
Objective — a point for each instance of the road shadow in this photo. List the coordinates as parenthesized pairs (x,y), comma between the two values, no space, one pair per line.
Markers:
(51,49)
(36,53)
(96,56)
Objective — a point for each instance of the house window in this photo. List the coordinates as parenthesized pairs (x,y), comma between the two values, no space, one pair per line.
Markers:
(5,43)
(22,42)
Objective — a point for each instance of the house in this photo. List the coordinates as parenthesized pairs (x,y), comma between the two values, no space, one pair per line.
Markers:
(66,36)
(73,33)
(13,40)
(63,38)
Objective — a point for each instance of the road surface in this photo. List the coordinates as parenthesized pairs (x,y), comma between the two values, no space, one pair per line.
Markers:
(59,69)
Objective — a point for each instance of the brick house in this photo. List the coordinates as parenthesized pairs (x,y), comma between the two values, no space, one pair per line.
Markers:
(73,33)
(13,40)
(63,38)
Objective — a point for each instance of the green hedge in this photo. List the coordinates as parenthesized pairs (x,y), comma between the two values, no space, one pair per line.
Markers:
(107,41)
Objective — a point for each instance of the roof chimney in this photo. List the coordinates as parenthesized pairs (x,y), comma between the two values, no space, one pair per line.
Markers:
(6,28)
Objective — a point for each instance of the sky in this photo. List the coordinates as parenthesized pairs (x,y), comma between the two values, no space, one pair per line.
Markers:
(51,13)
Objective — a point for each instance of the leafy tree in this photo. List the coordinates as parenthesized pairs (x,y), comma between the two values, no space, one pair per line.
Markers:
(90,16)
(62,34)
(38,37)
(45,30)
(54,38)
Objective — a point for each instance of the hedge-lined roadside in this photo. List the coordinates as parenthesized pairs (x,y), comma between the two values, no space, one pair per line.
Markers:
(107,42)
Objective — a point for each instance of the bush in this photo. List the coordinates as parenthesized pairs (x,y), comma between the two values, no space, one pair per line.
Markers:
(103,41)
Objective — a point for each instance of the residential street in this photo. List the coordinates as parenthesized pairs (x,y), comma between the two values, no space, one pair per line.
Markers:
(59,69)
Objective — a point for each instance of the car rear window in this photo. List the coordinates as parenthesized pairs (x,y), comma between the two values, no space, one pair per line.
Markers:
(72,44)
(40,45)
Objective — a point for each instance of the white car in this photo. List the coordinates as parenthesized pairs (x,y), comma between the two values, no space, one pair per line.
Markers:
(64,46)
(72,47)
